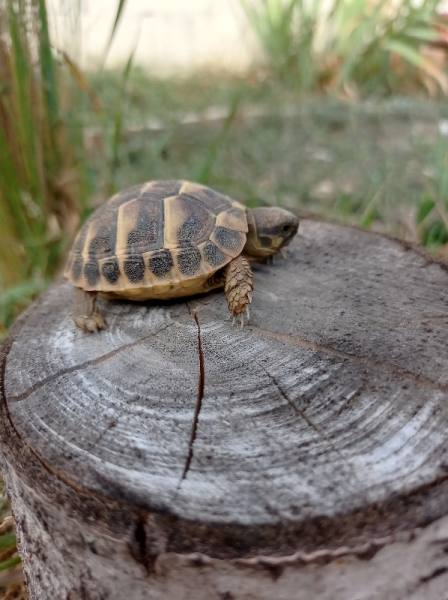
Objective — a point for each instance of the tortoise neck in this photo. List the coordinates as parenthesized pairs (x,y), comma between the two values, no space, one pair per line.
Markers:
(254,247)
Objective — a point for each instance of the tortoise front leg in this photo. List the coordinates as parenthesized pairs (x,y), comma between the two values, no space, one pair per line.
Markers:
(238,287)
(86,315)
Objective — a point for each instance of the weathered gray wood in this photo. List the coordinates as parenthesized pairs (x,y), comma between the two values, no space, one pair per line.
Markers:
(175,454)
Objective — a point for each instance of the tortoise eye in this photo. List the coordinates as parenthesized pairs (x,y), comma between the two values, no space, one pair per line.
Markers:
(286,228)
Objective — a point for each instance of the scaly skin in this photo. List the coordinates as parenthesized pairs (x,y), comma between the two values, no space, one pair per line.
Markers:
(87,317)
(238,287)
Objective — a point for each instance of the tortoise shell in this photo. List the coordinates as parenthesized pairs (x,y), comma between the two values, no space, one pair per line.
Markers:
(160,239)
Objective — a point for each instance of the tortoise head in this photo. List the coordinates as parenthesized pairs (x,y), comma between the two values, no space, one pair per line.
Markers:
(270,230)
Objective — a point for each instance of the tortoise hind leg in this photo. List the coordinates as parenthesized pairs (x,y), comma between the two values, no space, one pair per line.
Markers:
(238,287)
(86,314)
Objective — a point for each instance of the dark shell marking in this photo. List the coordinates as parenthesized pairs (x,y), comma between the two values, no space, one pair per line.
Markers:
(103,244)
(213,254)
(77,267)
(92,272)
(148,231)
(161,263)
(111,270)
(194,221)
(209,199)
(227,238)
(80,240)
(190,230)
(134,268)
(189,260)
(101,235)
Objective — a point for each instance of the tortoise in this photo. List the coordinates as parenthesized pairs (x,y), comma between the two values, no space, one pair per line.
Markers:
(168,239)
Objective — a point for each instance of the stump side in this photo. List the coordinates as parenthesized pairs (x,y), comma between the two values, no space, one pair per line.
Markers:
(64,558)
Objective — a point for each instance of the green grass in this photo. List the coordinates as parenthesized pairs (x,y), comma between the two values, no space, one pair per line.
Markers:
(46,182)
(374,163)
(43,175)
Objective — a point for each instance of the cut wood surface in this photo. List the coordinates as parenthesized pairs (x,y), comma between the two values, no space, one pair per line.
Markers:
(174,445)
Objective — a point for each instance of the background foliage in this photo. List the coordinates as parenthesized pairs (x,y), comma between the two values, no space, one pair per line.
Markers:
(355,46)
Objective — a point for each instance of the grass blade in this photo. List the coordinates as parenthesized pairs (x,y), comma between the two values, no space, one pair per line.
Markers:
(117,133)
(412,56)
(47,66)
(118,15)
(82,82)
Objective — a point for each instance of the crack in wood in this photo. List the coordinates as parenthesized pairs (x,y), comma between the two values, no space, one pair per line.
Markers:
(4,353)
(311,424)
(436,573)
(5,350)
(198,406)
(138,544)
(110,426)
(299,412)
(79,367)
(350,400)
(399,372)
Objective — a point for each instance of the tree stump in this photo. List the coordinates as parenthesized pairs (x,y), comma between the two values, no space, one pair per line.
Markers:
(175,457)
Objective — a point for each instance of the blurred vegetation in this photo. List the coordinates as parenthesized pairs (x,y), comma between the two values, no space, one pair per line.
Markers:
(10,576)
(379,163)
(357,47)
(43,168)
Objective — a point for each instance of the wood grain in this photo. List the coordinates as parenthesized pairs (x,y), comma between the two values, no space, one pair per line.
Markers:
(321,424)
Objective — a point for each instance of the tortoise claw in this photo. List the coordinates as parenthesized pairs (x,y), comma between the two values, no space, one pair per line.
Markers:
(239,319)
(91,323)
